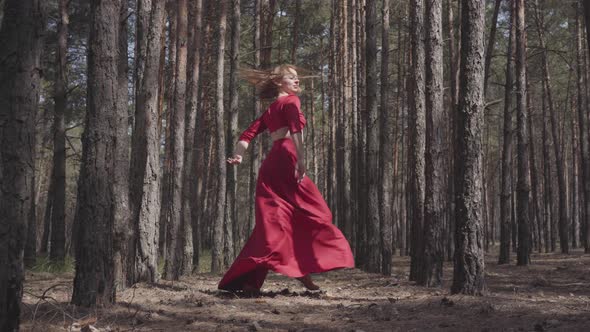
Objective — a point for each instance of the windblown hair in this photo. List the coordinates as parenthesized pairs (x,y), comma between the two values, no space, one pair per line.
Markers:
(266,81)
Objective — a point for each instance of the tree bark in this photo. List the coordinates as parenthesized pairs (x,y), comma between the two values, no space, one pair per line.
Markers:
(386,158)
(331,196)
(295,34)
(231,223)
(145,173)
(548,185)
(123,228)
(167,180)
(21,35)
(491,44)
(58,197)
(372,125)
(506,190)
(360,243)
(44,246)
(536,203)
(454,57)
(142,28)
(523,185)
(354,119)
(338,95)
(176,234)
(94,283)
(217,258)
(192,140)
(583,123)
(343,106)
(433,254)
(254,156)
(468,273)
(416,150)
(559,160)
(575,185)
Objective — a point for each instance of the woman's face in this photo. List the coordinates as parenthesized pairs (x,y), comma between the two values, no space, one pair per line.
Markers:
(290,83)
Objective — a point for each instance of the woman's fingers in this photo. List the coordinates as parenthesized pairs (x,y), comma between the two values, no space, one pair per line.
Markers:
(300,178)
(232,160)
(299,175)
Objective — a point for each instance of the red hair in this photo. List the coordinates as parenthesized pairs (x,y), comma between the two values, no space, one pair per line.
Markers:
(266,81)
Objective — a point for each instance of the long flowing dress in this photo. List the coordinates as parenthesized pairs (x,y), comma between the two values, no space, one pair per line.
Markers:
(293,234)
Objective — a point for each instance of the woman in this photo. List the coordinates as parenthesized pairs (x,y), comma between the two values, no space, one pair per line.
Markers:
(294,234)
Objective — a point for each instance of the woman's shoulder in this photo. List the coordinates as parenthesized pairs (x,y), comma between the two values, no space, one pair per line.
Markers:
(291,99)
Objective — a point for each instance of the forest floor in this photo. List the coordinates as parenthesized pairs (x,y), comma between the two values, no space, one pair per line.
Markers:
(552,294)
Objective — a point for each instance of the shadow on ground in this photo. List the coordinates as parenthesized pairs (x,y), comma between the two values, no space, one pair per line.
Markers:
(551,294)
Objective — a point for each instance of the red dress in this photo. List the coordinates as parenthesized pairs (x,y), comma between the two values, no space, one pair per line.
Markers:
(294,234)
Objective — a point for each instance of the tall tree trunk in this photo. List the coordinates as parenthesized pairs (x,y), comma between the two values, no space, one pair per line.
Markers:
(343,212)
(267,14)
(547,183)
(491,44)
(454,57)
(433,254)
(30,251)
(398,191)
(575,185)
(386,159)
(58,197)
(468,273)
(142,28)
(331,167)
(372,199)
(348,131)
(21,35)
(295,34)
(145,173)
(192,141)
(44,246)
(166,183)
(188,173)
(360,243)
(122,233)
(506,190)
(339,213)
(354,120)
(94,283)
(231,224)
(559,160)
(584,124)
(523,186)
(416,150)
(254,146)
(217,258)
(175,232)
(536,203)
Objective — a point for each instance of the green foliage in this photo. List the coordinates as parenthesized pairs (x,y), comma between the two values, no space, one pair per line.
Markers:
(44,264)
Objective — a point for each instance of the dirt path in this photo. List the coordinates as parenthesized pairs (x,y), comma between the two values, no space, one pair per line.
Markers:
(553,294)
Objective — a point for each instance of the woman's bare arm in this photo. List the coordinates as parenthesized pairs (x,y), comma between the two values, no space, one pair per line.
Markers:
(299,146)
(239,151)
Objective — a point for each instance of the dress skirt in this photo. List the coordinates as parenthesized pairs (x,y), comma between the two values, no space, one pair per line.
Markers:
(294,234)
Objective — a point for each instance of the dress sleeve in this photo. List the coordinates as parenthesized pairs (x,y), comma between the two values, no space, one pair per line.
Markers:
(295,119)
(255,128)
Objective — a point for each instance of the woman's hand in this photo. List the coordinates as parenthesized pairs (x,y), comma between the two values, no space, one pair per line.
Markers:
(300,171)
(235,159)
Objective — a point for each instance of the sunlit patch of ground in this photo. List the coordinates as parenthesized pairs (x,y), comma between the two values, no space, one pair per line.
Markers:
(552,294)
